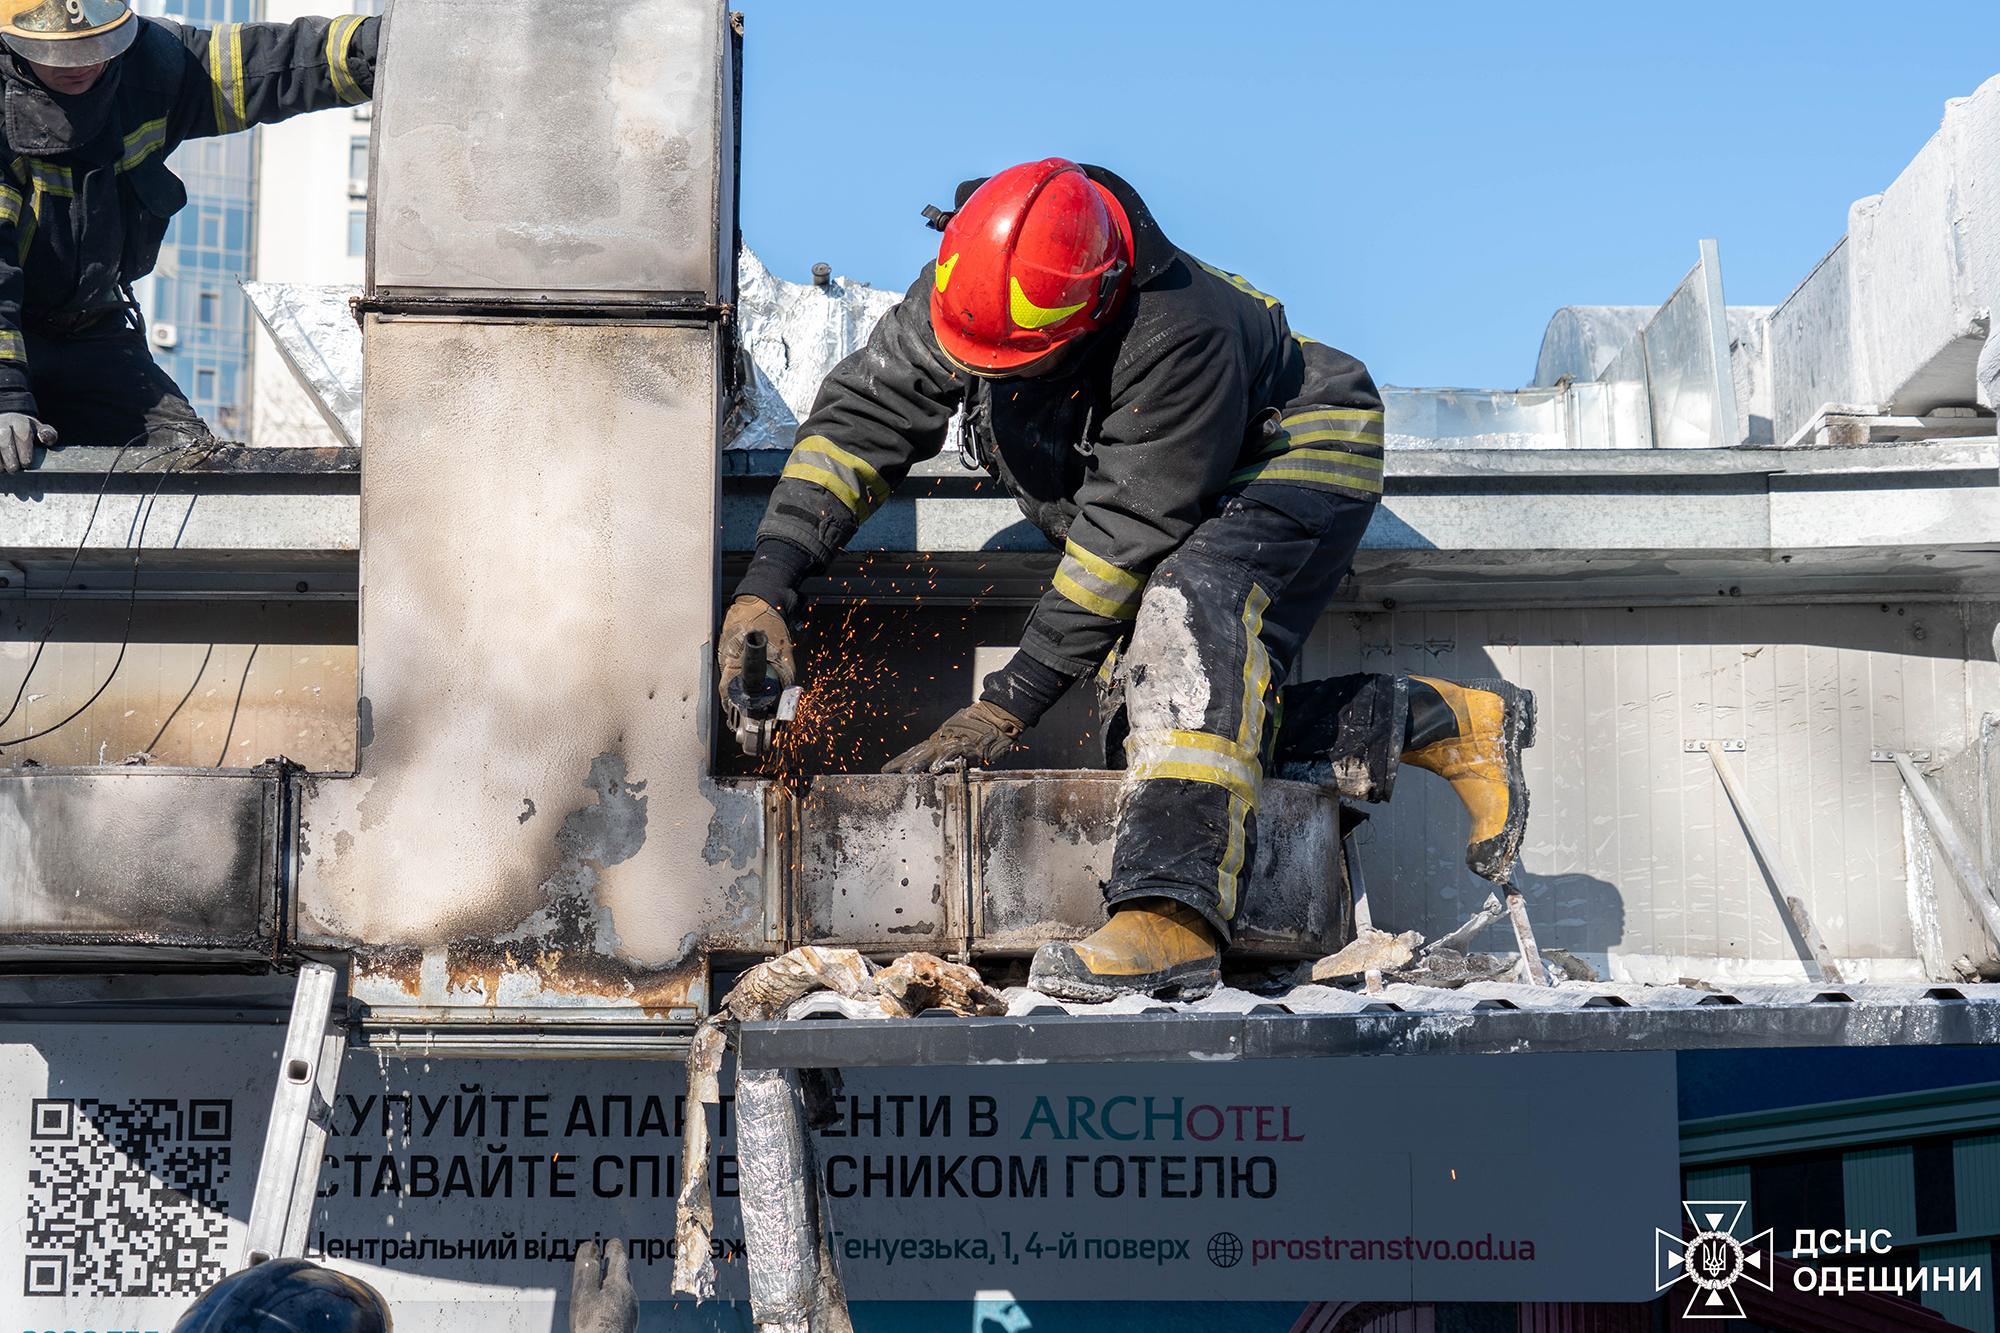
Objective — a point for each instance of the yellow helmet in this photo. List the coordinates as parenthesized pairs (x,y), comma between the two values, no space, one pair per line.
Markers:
(67,33)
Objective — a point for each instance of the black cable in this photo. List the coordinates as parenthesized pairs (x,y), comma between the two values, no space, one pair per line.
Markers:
(55,609)
(132,595)
(236,709)
(193,685)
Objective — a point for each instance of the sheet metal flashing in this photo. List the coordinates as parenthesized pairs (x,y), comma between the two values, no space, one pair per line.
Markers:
(137,865)
(1888,518)
(996,863)
(1314,1022)
(644,209)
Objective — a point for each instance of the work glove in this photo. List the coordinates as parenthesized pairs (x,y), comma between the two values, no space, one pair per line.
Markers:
(19,434)
(747,614)
(972,736)
(602,1303)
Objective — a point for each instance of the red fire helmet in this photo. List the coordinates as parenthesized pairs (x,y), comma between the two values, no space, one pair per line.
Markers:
(1038,257)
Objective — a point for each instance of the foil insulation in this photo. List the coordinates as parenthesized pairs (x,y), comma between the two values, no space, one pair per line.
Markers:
(789,334)
(794,1286)
(316,333)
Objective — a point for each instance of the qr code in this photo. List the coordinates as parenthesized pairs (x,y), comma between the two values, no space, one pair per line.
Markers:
(127,1198)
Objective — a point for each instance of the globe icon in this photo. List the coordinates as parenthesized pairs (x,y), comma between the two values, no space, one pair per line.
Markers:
(1224,1249)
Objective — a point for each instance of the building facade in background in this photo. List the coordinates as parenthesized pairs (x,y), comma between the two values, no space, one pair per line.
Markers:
(312,228)
(286,203)
(197,321)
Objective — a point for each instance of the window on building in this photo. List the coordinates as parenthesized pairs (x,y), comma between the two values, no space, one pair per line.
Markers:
(1931,1162)
(1796,1192)
(357,163)
(209,308)
(204,385)
(357,232)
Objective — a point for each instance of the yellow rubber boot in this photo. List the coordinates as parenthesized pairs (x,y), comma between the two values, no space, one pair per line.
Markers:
(1482,762)
(1150,946)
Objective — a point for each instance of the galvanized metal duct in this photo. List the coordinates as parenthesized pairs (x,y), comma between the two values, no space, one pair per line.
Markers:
(531,826)
(133,865)
(995,864)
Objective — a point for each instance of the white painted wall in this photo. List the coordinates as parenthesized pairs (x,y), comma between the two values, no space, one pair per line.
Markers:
(304,196)
(1634,858)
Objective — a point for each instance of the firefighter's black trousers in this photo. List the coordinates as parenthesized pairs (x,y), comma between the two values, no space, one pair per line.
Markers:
(102,387)
(1218,630)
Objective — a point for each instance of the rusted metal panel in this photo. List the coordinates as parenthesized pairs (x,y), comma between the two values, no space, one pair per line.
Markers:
(880,863)
(562,963)
(531,827)
(1041,851)
(138,861)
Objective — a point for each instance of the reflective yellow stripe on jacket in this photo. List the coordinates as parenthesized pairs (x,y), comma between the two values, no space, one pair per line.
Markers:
(1249,743)
(1197,756)
(225,76)
(1097,585)
(339,35)
(44,177)
(1241,284)
(38,179)
(143,142)
(1298,453)
(857,485)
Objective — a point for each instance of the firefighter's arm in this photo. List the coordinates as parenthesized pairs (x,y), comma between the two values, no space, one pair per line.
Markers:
(882,410)
(20,432)
(1165,449)
(244,74)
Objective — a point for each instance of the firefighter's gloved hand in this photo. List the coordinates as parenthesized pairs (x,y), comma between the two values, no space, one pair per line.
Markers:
(602,1302)
(973,736)
(19,434)
(747,614)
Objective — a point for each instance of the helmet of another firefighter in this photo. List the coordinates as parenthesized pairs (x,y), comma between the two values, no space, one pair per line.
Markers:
(287,1296)
(1039,256)
(67,34)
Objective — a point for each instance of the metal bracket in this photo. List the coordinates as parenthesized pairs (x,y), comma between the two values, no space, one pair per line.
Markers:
(1533,970)
(1965,869)
(301,1115)
(1889,756)
(1728,745)
(1783,885)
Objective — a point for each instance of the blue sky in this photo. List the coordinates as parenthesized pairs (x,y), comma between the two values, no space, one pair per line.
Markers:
(1422,184)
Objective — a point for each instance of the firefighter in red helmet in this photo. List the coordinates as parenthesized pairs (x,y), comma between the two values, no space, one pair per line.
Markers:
(1207,473)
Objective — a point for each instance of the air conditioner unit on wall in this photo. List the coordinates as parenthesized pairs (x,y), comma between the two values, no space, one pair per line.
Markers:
(163,334)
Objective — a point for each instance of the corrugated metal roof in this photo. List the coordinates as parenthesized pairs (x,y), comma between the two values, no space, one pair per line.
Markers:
(1315,1021)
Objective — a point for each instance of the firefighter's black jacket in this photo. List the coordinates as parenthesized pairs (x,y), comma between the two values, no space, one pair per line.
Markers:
(86,193)
(1197,388)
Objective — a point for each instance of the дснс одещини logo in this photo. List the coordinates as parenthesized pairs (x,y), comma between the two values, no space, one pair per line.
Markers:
(1713,1259)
